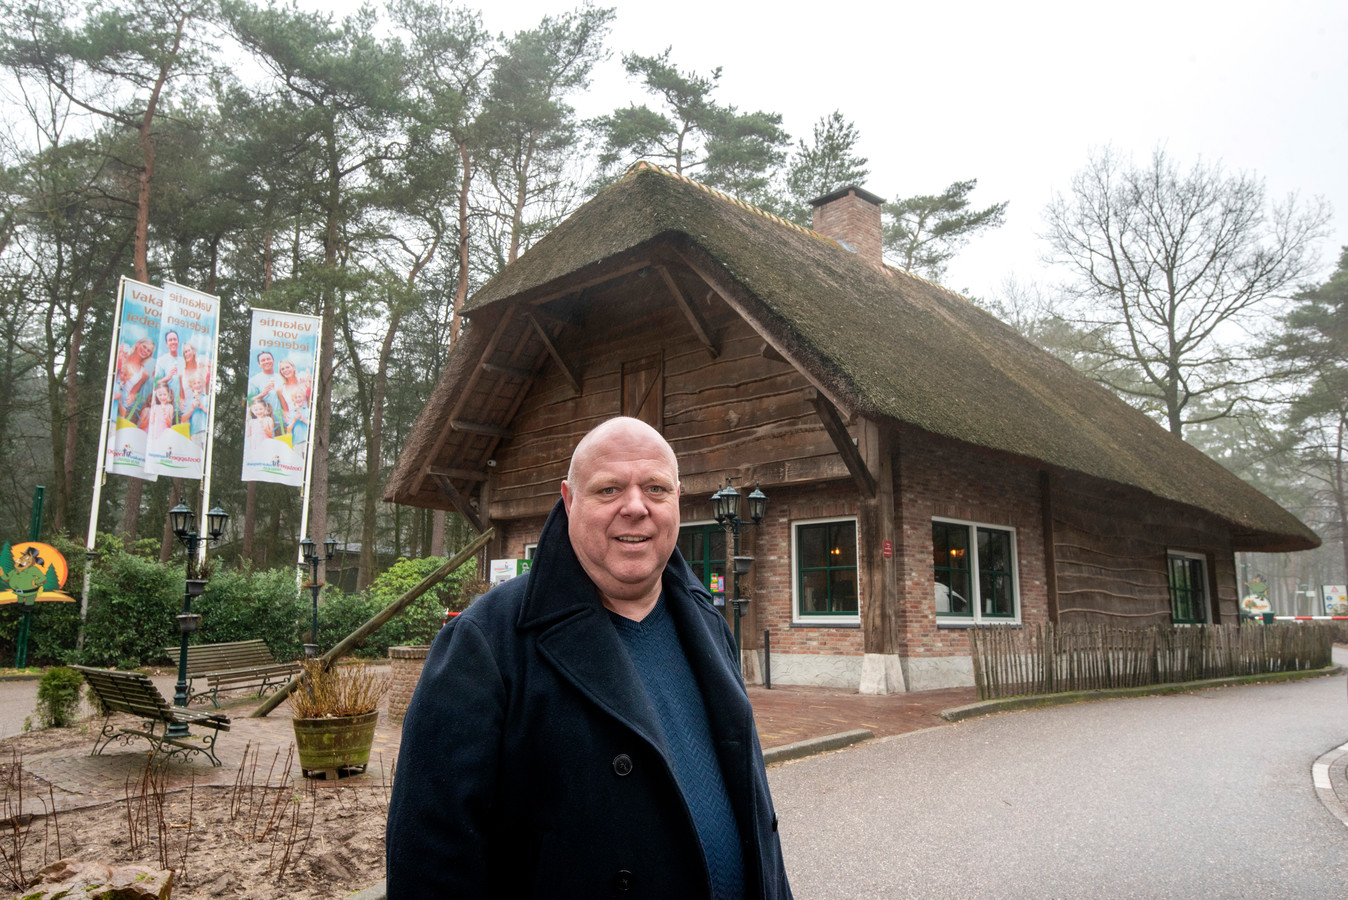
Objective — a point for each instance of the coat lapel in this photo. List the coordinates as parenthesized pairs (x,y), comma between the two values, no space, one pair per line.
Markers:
(576,636)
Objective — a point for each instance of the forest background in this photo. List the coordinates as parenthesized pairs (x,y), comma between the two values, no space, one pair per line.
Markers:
(374,170)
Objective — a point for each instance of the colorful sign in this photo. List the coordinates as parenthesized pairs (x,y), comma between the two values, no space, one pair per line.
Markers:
(32,572)
(502,570)
(282,350)
(128,406)
(180,400)
(1336,599)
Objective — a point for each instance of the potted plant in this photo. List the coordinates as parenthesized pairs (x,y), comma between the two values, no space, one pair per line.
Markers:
(335,712)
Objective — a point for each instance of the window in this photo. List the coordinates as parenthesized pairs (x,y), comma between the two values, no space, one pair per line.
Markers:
(974,567)
(703,546)
(1188,588)
(826,571)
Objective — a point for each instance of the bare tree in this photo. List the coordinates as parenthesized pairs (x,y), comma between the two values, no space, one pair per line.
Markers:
(1172,265)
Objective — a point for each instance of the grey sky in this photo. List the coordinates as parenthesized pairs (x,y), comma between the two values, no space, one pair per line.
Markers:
(1016,95)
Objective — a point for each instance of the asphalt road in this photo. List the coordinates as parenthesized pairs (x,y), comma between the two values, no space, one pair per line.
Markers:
(1205,795)
(18,701)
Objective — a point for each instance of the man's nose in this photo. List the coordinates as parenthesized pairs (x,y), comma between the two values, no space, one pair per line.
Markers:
(634,501)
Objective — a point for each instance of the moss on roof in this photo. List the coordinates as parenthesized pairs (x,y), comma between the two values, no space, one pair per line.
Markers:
(893,345)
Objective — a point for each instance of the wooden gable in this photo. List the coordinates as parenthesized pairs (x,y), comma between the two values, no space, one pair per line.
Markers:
(724,404)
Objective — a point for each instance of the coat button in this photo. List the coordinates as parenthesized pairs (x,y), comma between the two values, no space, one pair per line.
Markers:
(622,882)
(622,765)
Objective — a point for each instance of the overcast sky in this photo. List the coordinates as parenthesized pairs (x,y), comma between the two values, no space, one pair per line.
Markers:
(1016,94)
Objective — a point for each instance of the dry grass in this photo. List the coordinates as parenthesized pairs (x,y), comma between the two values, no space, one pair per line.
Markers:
(328,691)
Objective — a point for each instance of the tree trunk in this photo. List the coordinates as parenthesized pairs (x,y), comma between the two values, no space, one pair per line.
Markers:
(461,287)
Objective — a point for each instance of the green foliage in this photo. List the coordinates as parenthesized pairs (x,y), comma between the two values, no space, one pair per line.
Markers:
(132,604)
(58,697)
(824,166)
(692,133)
(340,614)
(925,232)
(244,605)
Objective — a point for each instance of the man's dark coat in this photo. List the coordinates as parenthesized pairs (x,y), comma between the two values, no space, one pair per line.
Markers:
(532,764)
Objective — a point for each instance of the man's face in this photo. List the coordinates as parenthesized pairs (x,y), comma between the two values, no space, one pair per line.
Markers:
(266,362)
(622,502)
(171,341)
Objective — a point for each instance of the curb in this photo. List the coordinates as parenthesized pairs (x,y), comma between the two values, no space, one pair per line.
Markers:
(1323,773)
(1012,704)
(374,892)
(812,746)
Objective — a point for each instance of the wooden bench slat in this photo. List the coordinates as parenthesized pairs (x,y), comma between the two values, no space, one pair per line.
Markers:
(232,665)
(133,693)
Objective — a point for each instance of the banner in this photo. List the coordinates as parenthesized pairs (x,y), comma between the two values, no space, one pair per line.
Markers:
(128,401)
(180,401)
(282,351)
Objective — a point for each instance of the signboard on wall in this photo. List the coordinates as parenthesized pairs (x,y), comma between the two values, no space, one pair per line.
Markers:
(1336,599)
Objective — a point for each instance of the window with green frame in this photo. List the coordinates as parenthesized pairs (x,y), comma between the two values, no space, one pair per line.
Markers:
(703,546)
(1188,588)
(974,568)
(826,569)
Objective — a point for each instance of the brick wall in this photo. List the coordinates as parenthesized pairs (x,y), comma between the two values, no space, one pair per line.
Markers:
(853,220)
(406,663)
(939,478)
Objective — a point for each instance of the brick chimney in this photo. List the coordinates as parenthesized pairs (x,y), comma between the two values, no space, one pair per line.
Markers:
(851,216)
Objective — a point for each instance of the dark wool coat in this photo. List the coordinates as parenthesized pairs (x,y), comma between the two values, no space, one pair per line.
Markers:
(532,764)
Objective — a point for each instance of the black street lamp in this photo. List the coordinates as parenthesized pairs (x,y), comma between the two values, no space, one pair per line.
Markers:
(726,505)
(310,552)
(183,522)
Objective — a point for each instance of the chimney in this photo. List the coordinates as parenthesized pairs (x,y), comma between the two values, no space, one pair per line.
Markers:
(851,216)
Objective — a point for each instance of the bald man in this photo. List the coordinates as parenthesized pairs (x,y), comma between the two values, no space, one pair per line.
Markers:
(583,731)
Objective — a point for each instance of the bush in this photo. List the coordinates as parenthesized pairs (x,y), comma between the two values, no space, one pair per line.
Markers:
(58,697)
(132,604)
(340,614)
(242,605)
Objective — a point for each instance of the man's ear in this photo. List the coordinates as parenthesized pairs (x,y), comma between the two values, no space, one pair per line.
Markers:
(566,496)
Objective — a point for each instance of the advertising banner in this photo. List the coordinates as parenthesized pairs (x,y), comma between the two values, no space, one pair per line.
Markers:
(180,400)
(133,379)
(282,352)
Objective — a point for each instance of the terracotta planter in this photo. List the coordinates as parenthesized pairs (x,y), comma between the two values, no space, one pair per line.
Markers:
(335,747)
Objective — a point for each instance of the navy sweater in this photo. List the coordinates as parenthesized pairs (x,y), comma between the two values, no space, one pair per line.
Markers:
(653,644)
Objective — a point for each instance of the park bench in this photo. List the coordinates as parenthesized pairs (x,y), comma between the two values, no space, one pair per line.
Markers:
(212,668)
(134,693)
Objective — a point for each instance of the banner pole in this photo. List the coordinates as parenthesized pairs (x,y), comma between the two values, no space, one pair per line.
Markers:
(309,458)
(101,476)
(209,457)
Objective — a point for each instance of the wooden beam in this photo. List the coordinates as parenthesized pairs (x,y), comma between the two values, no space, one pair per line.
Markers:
(460,502)
(607,275)
(509,371)
(851,456)
(474,374)
(552,351)
(458,474)
(699,327)
(479,428)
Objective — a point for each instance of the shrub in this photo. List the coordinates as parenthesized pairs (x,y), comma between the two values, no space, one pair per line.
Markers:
(132,604)
(58,697)
(340,614)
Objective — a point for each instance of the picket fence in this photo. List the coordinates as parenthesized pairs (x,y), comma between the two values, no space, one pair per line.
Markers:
(1014,661)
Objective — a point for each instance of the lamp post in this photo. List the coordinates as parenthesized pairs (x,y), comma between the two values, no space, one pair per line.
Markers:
(183,522)
(726,504)
(310,552)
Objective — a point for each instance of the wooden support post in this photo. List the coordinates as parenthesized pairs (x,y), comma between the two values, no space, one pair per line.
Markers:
(346,644)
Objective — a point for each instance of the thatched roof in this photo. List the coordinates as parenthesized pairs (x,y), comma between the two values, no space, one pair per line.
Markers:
(884,344)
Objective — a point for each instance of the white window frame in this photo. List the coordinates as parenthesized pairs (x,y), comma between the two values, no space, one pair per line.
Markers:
(976,601)
(797,618)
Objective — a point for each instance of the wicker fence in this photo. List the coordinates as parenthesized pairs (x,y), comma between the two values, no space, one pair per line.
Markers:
(1048,659)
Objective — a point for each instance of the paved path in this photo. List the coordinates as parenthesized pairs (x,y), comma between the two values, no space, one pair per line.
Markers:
(785,715)
(1211,794)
